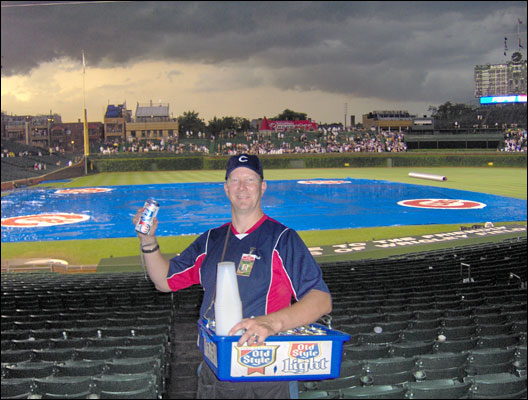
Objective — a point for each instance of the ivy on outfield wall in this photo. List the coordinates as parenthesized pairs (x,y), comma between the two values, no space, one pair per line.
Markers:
(179,162)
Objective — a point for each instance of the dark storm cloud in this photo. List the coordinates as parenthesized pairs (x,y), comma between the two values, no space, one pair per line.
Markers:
(424,51)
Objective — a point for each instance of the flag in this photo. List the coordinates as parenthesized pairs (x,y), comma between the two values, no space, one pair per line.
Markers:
(505,45)
(519,21)
(84,64)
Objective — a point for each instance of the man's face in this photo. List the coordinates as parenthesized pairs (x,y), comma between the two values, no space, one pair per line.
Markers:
(244,189)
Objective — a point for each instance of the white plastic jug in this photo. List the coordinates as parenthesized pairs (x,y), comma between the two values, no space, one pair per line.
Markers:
(228,306)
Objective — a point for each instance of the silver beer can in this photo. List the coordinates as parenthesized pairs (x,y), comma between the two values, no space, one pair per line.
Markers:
(150,210)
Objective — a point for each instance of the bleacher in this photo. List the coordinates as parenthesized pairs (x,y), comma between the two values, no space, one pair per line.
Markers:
(438,324)
(23,166)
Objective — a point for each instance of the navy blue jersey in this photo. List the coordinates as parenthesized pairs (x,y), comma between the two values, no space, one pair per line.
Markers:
(283,268)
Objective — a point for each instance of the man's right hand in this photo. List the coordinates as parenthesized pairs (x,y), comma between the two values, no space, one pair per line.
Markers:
(145,239)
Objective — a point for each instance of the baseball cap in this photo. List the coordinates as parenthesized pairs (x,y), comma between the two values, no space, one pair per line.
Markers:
(244,160)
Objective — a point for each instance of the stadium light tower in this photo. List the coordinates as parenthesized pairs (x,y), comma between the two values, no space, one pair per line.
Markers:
(86,141)
(346,112)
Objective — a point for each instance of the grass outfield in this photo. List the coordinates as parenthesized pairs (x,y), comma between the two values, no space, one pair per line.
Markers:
(510,182)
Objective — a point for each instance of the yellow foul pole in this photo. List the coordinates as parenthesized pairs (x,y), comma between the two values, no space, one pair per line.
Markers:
(86,142)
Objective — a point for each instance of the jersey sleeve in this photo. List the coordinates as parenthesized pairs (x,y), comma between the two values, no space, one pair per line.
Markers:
(184,269)
(303,271)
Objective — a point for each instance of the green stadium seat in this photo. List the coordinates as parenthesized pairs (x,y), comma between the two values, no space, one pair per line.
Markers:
(437,389)
(410,349)
(64,387)
(374,392)
(54,355)
(80,368)
(30,370)
(16,356)
(121,383)
(499,386)
(20,388)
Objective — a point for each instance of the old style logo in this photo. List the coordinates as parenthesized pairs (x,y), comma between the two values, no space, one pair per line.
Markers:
(304,357)
(256,358)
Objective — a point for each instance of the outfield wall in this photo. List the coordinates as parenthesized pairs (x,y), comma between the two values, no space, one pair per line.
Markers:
(164,162)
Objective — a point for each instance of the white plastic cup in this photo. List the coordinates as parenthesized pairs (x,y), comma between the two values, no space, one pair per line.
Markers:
(228,306)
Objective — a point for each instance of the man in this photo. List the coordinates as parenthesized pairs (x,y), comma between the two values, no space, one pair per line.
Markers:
(277,267)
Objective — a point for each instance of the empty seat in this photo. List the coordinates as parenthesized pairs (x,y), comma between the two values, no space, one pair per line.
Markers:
(17,334)
(95,353)
(16,356)
(424,324)
(441,360)
(499,386)
(501,341)
(374,392)
(455,346)
(140,351)
(490,319)
(411,349)
(149,392)
(17,388)
(124,382)
(459,332)
(67,343)
(378,338)
(389,371)
(415,335)
(64,386)
(454,322)
(80,368)
(30,370)
(496,329)
(437,389)
(46,333)
(54,354)
(365,352)
(29,344)
(491,356)
(134,365)
(353,329)
(332,386)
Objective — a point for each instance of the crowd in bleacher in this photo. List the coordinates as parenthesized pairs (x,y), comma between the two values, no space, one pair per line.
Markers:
(21,161)
(327,142)
(514,141)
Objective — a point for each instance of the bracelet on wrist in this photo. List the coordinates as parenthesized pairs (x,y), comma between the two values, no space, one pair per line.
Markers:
(151,250)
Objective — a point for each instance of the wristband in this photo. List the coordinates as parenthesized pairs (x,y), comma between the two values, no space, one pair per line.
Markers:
(151,250)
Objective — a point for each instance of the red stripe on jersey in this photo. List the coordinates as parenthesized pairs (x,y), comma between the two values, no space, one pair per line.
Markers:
(188,277)
(281,289)
(253,228)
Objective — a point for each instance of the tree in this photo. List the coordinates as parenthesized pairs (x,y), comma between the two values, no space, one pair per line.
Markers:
(289,115)
(190,121)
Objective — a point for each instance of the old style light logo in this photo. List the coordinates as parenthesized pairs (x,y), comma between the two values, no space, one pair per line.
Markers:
(304,357)
(256,358)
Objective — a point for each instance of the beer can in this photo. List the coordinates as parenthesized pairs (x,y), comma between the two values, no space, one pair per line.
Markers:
(150,210)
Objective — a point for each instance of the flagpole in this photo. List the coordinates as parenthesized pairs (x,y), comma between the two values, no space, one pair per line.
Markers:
(86,141)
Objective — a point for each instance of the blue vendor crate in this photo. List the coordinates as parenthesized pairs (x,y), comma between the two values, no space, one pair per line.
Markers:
(282,357)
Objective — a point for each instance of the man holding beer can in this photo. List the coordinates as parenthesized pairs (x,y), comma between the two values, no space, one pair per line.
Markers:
(274,268)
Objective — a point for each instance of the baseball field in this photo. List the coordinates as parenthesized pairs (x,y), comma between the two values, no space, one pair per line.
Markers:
(508,182)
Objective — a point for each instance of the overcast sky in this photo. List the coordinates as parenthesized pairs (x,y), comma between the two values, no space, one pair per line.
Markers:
(250,59)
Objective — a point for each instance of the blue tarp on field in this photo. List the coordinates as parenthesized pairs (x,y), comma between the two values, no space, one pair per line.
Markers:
(192,208)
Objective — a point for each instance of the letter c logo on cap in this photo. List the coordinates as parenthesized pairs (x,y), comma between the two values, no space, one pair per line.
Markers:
(242,159)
